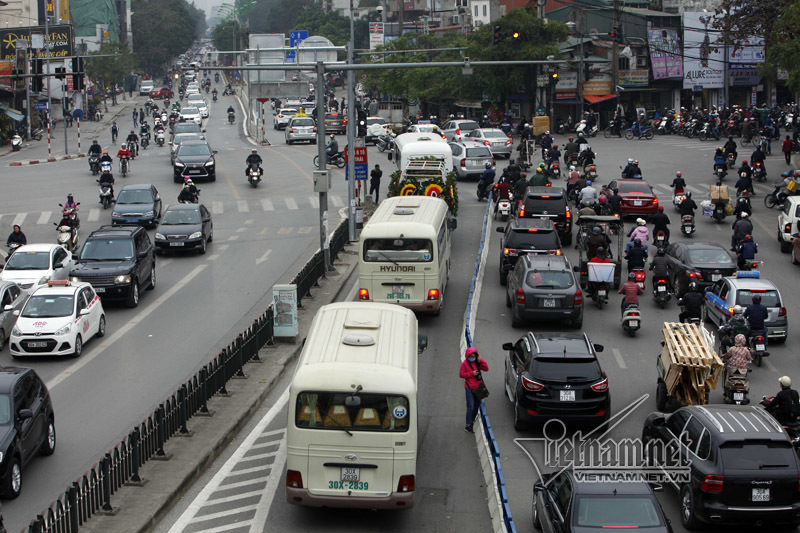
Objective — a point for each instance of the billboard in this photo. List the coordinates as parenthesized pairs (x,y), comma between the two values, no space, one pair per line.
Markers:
(58,44)
(748,52)
(665,54)
(701,68)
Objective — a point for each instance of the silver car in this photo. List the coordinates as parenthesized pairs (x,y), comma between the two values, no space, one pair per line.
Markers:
(12,298)
(182,137)
(456,130)
(301,129)
(203,108)
(470,158)
(498,142)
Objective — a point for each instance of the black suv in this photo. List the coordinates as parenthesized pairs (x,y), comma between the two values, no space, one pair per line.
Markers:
(742,463)
(27,425)
(556,375)
(118,261)
(523,236)
(549,203)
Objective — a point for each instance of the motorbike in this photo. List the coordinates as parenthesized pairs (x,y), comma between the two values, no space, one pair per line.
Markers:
(483,191)
(720,171)
(561,128)
(37,133)
(663,126)
(585,129)
(94,165)
(591,173)
(631,319)
(335,159)
(678,196)
(759,174)
(193,200)
(687,224)
(718,213)
(641,276)
(229,91)
(758,347)
(145,140)
(708,131)
(385,142)
(16,143)
(661,240)
(67,235)
(160,138)
(214,97)
(254,175)
(12,247)
(231,118)
(504,208)
(776,198)
(553,170)
(643,132)
(599,293)
(735,386)
(105,195)
(216,77)
(124,166)
(731,160)
(661,293)
(164,117)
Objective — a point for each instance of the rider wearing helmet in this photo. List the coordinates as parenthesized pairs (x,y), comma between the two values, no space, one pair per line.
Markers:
(133,142)
(555,154)
(678,184)
(105,158)
(631,290)
(588,195)
(332,148)
(123,152)
(636,255)
(736,325)
(570,148)
(687,206)
(784,406)
(659,266)
(692,303)
(253,159)
(660,222)
(756,315)
(741,228)
(747,251)
(487,178)
(631,169)
(547,143)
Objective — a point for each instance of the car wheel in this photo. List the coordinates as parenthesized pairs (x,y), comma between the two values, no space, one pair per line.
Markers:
(508,300)
(12,483)
(101,328)
(688,515)
(202,249)
(519,424)
(2,339)
(133,297)
(537,523)
(503,278)
(661,395)
(786,247)
(48,446)
(78,347)
(515,320)
(152,284)
(211,236)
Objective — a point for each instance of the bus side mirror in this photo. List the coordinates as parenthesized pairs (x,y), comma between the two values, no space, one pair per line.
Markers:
(452,224)
(422,343)
(389,155)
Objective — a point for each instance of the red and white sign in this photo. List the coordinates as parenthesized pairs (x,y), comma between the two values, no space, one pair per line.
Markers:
(361,154)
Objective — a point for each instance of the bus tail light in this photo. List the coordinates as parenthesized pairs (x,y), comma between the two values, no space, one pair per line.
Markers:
(407,483)
(363,294)
(294,479)
(433,294)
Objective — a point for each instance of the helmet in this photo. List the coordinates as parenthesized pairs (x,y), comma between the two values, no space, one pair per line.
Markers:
(105,152)
(588,183)
(631,276)
(187,179)
(333,136)
(661,209)
(487,164)
(571,168)
(597,230)
(555,146)
(132,132)
(94,141)
(747,120)
(748,238)
(756,298)
(720,148)
(546,133)
(630,160)
(693,286)
(640,221)
(571,139)
(601,252)
(637,241)
(738,310)
(123,146)
(636,162)
(539,170)
(541,165)
(69,195)
(785,381)
(602,199)
(660,252)
(744,162)
(744,214)
(678,174)
(254,151)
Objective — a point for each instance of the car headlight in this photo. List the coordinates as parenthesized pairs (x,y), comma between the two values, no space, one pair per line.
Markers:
(196,235)
(149,214)
(17,333)
(123,279)
(44,280)
(160,236)
(75,279)
(64,330)
(209,162)
(179,164)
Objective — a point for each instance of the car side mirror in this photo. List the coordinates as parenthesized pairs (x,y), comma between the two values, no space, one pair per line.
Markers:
(142,255)
(507,346)
(16,312)
(58,265)
(24,414)
(501,229)
(538,487)
(8,308)
(422,343)
(84,312)
(452,224)
(598,347)
(213,151)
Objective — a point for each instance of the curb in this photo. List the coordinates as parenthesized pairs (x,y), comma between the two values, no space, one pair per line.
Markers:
(48,160)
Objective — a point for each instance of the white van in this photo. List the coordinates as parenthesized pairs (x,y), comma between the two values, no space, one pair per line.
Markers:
(351,437)
(404,253)
(421,146)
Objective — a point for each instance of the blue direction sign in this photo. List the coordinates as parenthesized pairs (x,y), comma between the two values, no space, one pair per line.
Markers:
(361,172)
(40,105)
(295,38)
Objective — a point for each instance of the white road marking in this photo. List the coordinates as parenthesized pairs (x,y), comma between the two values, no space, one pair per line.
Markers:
(19,219)
(227,469)
(94,215)
(314,201)
(242,206)
(233,498)
(305,230)
(290,203)
(248,221)
(268,496)
(264,257)
(216,208)
(233,238)
(241,230)
(618,357)
(44,218)
(336,201)
(267,205)
(89,356)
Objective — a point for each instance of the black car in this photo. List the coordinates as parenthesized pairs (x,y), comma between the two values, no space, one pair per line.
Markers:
(548,203)
(742,467)
(184,227)
(563,501)
(137,204)
(27,425)
(523,236)
(194,159)
(701,262)
(185,127)
(543,288)
(556,375)
(118,261)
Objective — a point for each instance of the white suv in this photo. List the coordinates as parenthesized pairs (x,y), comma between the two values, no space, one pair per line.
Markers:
(146,87)
(788,219)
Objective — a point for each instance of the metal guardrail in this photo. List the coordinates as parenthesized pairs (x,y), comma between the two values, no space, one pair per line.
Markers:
(91,493)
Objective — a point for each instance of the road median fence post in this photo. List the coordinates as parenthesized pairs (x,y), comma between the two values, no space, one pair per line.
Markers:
(72,507)
(183,412)
(135,460)
(239,355)
(204,393)
(105,487)
(160,454)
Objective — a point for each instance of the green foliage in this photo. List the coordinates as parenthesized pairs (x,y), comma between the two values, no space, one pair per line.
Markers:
(786,48)
(229,35)
(163,29)
(110,69)
(332,25)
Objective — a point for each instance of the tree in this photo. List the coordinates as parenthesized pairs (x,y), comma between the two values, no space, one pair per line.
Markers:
(331,25)
(784,52)
(163,29)
(229,35)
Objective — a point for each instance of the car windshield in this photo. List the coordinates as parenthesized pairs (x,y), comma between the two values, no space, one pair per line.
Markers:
(710,256)
(532,240)
(183,137)
(288,111)
(548,279)
(5,409)
(468,126)
(49,306)
(333,116)
(627,188)
(553,205)
(187,128)
(394,250)
(194,149)
(108,249)
(615,511)
(757,455)
(135,196)
(768,298)
(23,260)
(302,122)
(180,216)
(558,368)
(334,410)
(479,152)
(371,121)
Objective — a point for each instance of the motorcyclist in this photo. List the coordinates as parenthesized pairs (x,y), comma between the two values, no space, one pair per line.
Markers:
(596,242)
(572,179)
(95,150)
(759,157)
(678,184)
(615,202)
(588,195)
(736,325)
(741,228)
(756,314)
(16,236)
(745,168)
(639,231)
(632,170)
(188,192)
(687,206)
(660,222)
(133,141)
(502,192)
(660,268)
(744,184)
(784,406)
(539,179)
(555,155)
(105,158)
(738,357)
(719,160)
(747,251)
(231,110)
(546,143)
(214,94)
(743,205)
(124,153)
(487,178)
(332,148)
(253,159)
(107,178)
(144,130)
(570,148)
(636,255)
(730,148)
(631,290)
(692,303)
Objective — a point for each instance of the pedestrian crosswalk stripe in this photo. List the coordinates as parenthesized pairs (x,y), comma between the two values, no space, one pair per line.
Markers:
(44,218)
(266,204)
(216,208)
(94,215)
(314,201)
(290,203)
(242,206)
(284,231)
(337,202)
(19,219)
(304,230)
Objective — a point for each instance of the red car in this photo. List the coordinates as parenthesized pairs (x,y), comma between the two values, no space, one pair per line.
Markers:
(637,195)
(163,92)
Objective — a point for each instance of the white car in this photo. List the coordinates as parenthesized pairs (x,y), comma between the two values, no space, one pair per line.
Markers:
(203,108)
(281,118)
(146,87)
(57,320)
(34,265)
(192,88)
(194,99)
(192,114)
(788,222)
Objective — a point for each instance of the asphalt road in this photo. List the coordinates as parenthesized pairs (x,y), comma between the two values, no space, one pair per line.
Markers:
(148,351)
(630,362)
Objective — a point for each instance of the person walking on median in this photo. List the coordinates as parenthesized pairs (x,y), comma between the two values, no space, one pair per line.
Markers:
(471,371)
(375,181)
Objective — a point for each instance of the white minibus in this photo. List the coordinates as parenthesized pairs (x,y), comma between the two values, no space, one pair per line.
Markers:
(404,253)
(351,437)
(421,146)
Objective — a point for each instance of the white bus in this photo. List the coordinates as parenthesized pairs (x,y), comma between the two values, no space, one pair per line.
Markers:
(404,253)
(351,437)
(421,146)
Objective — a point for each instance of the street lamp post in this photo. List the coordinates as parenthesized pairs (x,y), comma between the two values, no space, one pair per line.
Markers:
(351,124)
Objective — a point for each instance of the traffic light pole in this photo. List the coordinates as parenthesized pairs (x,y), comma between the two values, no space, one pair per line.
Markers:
(351,153)
(47,62)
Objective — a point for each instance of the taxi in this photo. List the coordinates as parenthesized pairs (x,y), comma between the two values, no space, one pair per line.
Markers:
(739,289)
(57,320)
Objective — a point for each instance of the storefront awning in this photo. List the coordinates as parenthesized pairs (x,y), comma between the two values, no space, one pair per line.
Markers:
(12,113)
(596,99)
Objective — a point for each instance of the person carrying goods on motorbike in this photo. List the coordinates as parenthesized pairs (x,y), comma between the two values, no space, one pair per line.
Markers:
(631,290)
(333,147)
(596,242)
(660,222)
(133,141)
(784,406)
(16,236)
(636,255)
(678,184)
(107,179)
(692,302)
(659,266)
(253,159)
(747,251)
(756,314)
(730,148)
(741,228)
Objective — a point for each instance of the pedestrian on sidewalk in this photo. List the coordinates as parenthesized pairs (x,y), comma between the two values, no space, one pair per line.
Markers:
(135,117)
(471,371)
(375,181)
(787,150)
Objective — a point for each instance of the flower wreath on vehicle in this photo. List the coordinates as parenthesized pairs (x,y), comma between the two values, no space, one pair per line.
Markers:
(426,183)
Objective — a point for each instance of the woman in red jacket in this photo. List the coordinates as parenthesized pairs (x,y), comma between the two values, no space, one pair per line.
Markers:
(471,372)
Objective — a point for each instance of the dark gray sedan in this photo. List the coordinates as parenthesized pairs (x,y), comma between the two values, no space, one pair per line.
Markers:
(184,227)
(543,287)
(137,204)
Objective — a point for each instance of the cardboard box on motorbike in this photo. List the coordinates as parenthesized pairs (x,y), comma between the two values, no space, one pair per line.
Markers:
(719,194)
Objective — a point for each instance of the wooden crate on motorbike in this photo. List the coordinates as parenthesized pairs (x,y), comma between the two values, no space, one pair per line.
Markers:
(688,366)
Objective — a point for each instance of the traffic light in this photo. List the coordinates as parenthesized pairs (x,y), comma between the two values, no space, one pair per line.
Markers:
(61,73)
(554,77)
(36,80)
(498,35)
(616,35)
(361,131)
(77,73)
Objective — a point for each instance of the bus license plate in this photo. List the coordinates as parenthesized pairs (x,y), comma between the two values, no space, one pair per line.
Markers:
(567,395)
(738,396)
(350,474)
(760,495)
(398,289)
(760,347)
(548,302)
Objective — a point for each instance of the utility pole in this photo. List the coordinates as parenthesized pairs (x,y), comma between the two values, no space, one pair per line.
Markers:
(324,245)
(615,49)
(351,124)
(47,62)
(400,22)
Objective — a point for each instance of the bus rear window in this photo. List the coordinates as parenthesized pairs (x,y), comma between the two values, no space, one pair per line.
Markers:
(398,250)
(342,411)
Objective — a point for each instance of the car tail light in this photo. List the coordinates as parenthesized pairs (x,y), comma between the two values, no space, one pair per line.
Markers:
(314,129)
(487,143)
(787,228)
(694,274)
(291,130)
(510,252)
(568,214)
(601,386)
(294,479)
(433,294)
(712,484)
(578,298)
(363,294)
(508,143)
(531,385)
(532,230)
(407,483)
(520,296)
(521,212)
(458,131)
(280,116)
(344,122)
(655,201)
(463,162)
(782,312)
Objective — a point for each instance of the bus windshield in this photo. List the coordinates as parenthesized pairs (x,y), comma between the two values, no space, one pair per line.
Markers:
(330,410)
(394,250)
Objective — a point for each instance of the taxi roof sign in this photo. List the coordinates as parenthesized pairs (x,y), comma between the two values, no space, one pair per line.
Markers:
(58,282)
(754,274)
